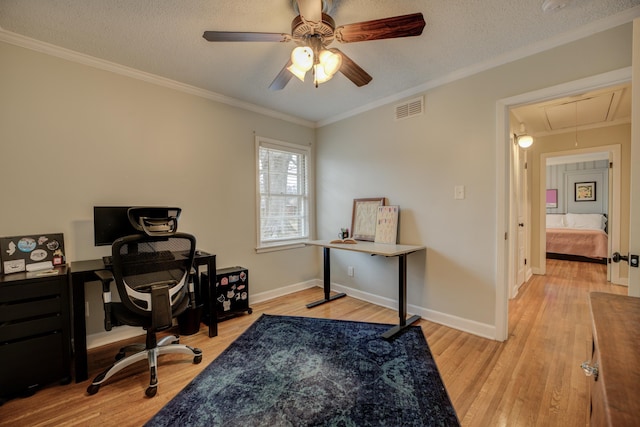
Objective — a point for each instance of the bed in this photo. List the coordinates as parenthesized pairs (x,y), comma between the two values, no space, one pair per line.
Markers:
(577,237)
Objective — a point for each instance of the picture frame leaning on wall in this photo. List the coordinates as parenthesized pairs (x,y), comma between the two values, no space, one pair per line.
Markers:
(363,218)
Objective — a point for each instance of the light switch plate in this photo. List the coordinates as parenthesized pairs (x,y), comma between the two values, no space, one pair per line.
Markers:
(458,192)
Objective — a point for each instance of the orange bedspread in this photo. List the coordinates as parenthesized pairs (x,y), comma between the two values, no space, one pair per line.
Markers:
(573,241)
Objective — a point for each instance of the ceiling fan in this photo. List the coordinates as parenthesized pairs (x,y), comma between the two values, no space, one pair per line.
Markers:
(313,31)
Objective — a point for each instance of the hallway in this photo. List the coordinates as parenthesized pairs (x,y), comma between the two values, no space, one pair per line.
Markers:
(536,380)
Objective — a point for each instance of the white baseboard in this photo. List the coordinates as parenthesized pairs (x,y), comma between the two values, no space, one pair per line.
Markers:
(622,281)
(116,334)
(125,332)
(269,295)
(476,328)
(528,275)
(465,325)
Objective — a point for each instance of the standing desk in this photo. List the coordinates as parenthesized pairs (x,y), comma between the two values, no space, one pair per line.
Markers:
(382,249)
(84,271)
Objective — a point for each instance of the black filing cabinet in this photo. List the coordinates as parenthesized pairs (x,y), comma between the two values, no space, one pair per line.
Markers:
(35,331)
(232,292)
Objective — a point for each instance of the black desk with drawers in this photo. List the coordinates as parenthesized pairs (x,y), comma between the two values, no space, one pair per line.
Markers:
(35,331)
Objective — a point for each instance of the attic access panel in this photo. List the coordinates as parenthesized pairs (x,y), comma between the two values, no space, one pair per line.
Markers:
(595,109)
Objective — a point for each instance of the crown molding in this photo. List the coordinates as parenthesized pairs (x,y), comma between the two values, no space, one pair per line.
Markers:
(570,36)
(73,56)
(587,30)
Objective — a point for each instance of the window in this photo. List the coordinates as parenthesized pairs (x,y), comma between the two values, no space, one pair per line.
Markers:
(283,206)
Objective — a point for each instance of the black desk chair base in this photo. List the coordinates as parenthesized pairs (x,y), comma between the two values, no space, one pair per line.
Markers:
(167,345)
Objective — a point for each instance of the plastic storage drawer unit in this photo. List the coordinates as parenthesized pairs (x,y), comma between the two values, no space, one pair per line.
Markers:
(232,292)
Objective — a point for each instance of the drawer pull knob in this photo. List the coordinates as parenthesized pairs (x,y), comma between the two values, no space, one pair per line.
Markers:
(590,370)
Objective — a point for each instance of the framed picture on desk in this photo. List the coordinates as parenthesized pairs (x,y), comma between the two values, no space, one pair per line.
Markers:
(363,218)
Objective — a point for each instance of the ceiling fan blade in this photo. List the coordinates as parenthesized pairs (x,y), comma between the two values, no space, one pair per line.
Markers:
(282,78)
(310,10)
(239,36)
(386,28)
(352,71)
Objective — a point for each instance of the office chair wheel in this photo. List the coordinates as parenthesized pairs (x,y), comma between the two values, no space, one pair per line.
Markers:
(249,311)
(197,359)
(151,391)
(93,389)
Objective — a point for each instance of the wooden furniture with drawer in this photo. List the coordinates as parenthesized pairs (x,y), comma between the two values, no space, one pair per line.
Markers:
(615,365)
(35,331)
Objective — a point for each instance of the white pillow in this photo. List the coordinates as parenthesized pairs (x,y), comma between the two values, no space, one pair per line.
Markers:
(586,221)
(555,221)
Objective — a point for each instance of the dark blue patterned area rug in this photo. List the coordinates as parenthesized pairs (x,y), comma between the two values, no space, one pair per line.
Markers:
(299,371)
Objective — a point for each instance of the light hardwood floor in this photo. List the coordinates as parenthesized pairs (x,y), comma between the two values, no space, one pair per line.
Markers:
(532,379)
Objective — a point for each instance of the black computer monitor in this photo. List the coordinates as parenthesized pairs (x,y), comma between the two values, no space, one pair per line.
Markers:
(110,223)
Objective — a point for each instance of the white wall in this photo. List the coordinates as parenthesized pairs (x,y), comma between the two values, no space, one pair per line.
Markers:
(72,137)
(416,163)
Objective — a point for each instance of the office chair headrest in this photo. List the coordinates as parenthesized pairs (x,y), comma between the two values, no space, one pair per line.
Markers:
(155,221)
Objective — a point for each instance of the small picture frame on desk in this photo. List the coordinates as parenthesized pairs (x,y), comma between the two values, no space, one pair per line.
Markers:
(363,218)
(387,224)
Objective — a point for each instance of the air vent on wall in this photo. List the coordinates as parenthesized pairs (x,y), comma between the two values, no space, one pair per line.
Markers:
(411,108)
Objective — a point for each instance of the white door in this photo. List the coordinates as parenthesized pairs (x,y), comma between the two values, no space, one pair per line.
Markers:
(523,218)
(610,209)
(634,223)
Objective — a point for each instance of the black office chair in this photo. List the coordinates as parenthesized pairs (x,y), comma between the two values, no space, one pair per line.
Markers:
(152,274)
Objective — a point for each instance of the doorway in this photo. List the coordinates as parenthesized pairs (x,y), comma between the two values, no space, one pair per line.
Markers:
(602,165)
(504,244)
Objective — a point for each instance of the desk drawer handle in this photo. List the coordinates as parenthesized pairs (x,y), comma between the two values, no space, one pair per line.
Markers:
(590,370)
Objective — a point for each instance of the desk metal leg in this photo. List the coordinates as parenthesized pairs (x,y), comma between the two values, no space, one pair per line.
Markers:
(213,313)
(402,300)
(327,282)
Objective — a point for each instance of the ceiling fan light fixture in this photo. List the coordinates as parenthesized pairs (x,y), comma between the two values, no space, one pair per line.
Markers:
(314,29)
(330,61)
(320,74)
(298,72)
(302,58)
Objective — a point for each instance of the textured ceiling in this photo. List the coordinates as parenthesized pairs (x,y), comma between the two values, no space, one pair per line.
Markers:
(164,38)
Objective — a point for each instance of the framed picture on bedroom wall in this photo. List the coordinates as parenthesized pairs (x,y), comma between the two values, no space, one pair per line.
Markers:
(552,198)
(585,191)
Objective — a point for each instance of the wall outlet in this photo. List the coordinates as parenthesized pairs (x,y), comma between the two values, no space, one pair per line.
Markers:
(350,271)
(458,192)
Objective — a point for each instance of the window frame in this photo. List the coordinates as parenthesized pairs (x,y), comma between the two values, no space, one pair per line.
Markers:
(306,150)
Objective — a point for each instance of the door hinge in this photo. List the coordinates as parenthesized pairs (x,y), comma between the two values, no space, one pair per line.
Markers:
(610,165)
(525,261)
(505,235)
(525,165)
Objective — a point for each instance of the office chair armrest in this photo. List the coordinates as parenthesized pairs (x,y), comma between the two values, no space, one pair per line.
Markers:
(192,288)
(106,277)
